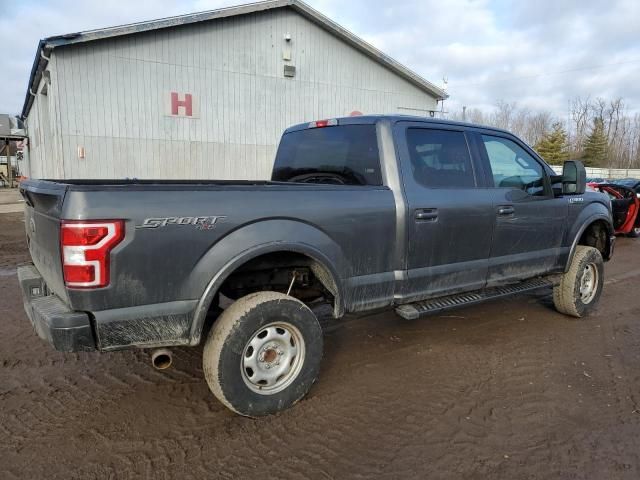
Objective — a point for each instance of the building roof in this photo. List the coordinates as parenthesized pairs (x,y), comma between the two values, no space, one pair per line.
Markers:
(46,45)
(9,128)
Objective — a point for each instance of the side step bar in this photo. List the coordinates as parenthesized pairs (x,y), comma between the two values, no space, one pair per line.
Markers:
(411,311)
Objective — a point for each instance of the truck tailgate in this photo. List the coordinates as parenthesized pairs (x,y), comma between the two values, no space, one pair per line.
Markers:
(42,225)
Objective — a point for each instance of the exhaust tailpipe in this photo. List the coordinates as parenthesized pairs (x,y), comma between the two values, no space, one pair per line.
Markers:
(161,358)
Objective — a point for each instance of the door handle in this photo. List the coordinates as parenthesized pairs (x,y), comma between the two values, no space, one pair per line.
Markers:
(505,210)
(426,214)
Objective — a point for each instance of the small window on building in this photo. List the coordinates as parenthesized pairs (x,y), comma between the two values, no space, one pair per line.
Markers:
(340,155)
(440,158)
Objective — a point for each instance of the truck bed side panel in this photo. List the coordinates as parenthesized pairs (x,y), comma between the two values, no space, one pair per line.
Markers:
(157,264)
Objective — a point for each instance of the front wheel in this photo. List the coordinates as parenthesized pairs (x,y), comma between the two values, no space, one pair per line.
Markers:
(635,232)
(263,354)
(581,286)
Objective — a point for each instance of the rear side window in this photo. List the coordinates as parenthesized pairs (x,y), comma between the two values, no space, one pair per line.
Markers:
(341,155)
(440,158)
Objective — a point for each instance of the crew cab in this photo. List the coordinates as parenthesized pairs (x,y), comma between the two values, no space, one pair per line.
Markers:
(361,213)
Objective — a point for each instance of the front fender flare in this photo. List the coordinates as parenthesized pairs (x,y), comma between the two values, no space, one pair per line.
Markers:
(583,225)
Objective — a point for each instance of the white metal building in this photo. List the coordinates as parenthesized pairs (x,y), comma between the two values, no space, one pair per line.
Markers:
(205,95)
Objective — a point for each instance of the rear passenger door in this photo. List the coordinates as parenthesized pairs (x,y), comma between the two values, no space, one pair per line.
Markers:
(529,220)
(449,219)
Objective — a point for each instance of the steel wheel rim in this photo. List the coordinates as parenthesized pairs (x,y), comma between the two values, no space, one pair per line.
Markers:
(636,230)
(272,359)
(588,283)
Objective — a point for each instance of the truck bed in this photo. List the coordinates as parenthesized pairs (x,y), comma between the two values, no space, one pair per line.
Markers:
(98,184)
(160,261)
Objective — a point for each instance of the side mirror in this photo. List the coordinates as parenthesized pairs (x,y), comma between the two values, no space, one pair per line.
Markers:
(574,178)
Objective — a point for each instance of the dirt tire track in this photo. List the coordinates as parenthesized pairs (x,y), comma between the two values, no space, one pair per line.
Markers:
(495,391)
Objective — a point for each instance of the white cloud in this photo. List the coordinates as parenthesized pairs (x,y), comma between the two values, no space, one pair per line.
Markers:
(534,53)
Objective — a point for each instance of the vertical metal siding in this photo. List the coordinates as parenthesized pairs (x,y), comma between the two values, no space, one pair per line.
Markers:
(110,97)
(43,125)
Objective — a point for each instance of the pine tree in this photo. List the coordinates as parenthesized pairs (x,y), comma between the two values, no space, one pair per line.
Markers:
(596,147)
(553,145)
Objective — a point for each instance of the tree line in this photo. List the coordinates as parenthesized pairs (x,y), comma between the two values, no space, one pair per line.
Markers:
(601,133)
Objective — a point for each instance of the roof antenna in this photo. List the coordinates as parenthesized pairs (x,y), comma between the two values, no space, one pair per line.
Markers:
(445,85)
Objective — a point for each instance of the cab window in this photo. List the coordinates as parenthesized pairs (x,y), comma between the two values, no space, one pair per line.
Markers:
(513,167)
(343,155)
(440,158)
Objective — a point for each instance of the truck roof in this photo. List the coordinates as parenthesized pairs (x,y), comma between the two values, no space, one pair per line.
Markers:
(370,119)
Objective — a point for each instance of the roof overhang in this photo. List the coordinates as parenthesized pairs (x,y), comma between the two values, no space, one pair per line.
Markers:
(12,137)
(46,45)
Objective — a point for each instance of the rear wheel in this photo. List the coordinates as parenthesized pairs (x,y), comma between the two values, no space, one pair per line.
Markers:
(263,353)
(581,286)
(635,232)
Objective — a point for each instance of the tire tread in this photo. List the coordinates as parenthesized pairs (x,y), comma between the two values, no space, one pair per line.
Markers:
(223,328)
(564,297)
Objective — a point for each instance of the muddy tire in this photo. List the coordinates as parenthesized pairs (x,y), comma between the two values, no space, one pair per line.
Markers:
(263,354)
(581,286)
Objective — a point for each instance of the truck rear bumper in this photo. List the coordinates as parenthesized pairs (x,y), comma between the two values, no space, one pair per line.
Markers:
(65,329)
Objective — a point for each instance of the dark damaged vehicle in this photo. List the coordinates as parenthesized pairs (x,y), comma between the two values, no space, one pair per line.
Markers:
(361,213)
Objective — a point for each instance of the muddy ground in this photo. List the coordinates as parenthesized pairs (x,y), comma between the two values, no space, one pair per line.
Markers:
(507,390)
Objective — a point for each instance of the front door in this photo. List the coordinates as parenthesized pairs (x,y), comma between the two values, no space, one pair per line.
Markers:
(529,220)
(449,219)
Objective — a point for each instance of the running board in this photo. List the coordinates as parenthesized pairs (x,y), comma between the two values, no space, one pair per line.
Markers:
(411,311)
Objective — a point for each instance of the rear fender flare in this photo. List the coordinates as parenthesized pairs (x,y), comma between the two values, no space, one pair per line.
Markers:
(239,247)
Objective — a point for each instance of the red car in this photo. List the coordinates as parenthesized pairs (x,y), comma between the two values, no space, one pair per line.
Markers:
(625,204)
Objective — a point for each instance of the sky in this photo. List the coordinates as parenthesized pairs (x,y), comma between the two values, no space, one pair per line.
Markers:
(538,54)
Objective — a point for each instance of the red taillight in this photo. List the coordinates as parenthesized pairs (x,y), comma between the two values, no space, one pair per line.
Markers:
(79,274)
(83,235)
(85,247)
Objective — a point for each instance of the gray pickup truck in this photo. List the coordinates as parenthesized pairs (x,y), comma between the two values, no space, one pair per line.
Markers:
(361,213)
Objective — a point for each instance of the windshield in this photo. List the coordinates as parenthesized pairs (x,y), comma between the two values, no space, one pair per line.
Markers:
(627,182)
